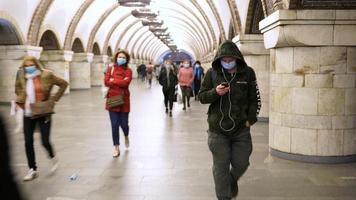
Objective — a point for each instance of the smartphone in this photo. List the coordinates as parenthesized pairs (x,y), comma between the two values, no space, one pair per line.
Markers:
(225,84)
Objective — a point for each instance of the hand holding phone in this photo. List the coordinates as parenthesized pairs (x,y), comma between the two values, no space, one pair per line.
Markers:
(225,84)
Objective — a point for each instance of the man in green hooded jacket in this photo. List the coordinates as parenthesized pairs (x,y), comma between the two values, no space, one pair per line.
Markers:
(230,87)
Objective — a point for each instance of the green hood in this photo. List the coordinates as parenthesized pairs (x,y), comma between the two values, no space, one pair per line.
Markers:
(228,48)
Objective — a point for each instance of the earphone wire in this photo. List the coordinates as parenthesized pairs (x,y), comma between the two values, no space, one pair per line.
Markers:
(230,105)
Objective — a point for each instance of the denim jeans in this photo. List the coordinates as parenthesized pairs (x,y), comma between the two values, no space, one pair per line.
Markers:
(230,159)
(119,119)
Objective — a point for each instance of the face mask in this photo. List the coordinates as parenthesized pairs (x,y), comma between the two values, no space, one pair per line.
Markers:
(121,61)
(197,65)
(186,65)
(229,65)
(30,69)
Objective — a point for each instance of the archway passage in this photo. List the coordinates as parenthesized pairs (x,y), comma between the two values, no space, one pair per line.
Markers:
(96,49)
(8,34)
(49,41)
(77,46)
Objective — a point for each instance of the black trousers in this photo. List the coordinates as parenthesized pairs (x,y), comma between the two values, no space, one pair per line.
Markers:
(29,129)
(168,93)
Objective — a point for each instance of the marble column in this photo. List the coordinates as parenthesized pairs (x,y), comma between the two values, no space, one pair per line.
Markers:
(97,69)
(312,84)
(80,69)
(58,61)
(257,57)
(11,58)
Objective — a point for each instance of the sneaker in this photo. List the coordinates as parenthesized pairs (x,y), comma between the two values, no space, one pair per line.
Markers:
(166,110)
(31,174)
(54,167)
(184,108)
(127,142)
(116,152)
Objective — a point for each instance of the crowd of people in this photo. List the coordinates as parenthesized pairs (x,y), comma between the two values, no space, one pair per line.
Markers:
(229,87)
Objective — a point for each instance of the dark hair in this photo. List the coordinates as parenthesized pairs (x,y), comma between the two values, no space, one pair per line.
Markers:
(197,62)
(126,54)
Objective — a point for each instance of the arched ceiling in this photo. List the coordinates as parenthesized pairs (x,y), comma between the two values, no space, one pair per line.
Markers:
(195,26)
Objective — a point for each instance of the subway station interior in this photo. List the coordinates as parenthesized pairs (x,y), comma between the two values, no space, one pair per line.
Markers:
(302,51)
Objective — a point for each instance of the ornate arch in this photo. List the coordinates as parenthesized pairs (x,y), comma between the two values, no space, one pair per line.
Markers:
(207,20)
(255,14)
(132,36)
(124,32)
(78,46)
(96,49)
(74,23)
(107,39)
(207,36)
(236,22)
(218,18)
(36,21)
(10,34)
(98,24)
(49,41)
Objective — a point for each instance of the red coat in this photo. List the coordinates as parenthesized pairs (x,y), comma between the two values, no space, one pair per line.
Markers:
(119,85)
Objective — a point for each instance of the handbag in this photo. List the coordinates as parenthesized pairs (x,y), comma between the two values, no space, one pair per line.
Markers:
(42,108)
(115,101)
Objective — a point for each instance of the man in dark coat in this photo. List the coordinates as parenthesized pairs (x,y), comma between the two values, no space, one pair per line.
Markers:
(230,88)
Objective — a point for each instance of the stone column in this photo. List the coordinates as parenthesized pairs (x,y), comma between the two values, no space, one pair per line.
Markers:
(97,69)
(58,62)
(11,58)
(257,57)
(80,71)
(312,84)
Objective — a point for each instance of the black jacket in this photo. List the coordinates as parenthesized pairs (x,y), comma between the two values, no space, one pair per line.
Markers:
(245,98)
(173,79)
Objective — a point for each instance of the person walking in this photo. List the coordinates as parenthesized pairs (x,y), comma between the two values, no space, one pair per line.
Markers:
(198,77)
(230,88)
(118,78)
(168,79)
(33,93)
(149,75)
(186,78)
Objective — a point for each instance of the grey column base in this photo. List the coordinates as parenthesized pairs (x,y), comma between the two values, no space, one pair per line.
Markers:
(263,119)
(313,159)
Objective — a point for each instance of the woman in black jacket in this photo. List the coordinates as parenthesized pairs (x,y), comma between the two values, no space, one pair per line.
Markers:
(168,79)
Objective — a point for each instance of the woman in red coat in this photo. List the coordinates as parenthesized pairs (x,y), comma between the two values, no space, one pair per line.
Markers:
(118,78)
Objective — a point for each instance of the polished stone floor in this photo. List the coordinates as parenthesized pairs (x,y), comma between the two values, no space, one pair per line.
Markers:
(168,158)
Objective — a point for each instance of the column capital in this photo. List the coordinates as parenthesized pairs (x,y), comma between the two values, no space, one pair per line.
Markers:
(83,57)
(57,55)
(251,44)
(17,52)
(298,28)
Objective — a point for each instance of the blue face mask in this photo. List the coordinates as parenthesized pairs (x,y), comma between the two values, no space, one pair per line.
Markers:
(197,65)
(229,65)
(30,69)
(121,61)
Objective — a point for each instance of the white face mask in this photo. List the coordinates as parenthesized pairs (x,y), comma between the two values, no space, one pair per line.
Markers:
(186,65)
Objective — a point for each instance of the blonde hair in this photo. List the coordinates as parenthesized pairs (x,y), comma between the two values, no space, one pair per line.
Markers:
(34,60)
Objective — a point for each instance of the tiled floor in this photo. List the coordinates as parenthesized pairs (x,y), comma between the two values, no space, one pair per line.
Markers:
(168,158)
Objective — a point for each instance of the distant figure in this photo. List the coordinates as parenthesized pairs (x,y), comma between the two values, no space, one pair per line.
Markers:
(198,77)
(168,79)
(142,72)
(186,78)
(118,78)
(8,186)
(149,72)
(33,90)
(230,87)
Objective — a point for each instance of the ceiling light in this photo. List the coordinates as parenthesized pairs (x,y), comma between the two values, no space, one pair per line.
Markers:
(134,3)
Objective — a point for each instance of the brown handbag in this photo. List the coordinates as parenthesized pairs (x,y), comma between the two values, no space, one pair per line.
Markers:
(43,108)
(115,101)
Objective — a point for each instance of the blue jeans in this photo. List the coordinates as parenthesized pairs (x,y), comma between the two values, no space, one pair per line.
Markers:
(119,119)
